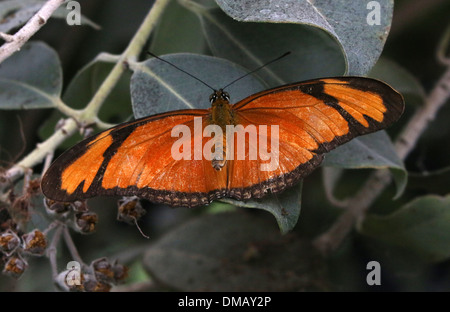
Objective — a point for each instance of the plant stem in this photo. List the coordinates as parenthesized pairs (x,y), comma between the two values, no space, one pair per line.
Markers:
(131,53)
(71,246)
(52,249)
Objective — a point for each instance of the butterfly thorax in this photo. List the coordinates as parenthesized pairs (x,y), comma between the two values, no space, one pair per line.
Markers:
(221,115)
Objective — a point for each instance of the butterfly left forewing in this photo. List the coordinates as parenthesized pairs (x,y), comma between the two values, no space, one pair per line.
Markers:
(133,159)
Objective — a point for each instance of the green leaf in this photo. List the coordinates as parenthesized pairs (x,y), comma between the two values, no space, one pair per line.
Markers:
(177,22)
(81,89)
(285,207)
(15,13)
(233,252)
(400,79)
(422,226)
(157,87)
(374,150)
(346,21)
(31,78)
(85,84)
(313,53)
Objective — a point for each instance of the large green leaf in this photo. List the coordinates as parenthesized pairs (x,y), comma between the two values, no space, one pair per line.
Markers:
(369,151)
(81,89)
(31,78)
(15,13)
(374,150)
(313,53)
(422,226)
(179,23)
(157,87)
(234,252)
(86,83)
(349,22)
(400,79)
(285,207)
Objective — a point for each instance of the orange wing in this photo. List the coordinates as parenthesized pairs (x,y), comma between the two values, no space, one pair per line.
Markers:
(313,118)
(135,159)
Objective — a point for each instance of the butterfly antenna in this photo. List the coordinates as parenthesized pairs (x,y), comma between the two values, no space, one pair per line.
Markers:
(182,70)
(256,69)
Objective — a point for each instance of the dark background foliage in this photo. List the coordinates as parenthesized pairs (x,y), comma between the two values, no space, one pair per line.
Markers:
(416,30)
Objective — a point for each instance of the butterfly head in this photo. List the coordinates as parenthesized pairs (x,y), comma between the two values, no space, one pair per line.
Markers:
(219,95)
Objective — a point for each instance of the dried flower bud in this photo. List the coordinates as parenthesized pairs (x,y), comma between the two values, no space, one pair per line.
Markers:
(85,222)
(130,210)
(34,243)
(70,280)
(15,266)
(9,241)
(57,209)
(103,270)
(93,286)
(120,272)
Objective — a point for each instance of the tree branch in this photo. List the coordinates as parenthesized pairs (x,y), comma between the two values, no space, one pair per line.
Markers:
(15,42)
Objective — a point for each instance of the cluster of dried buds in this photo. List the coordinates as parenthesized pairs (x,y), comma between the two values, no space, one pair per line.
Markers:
(99,276)
(14,250)
(75,214)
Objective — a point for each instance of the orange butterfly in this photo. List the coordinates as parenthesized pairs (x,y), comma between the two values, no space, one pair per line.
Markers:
(137,157)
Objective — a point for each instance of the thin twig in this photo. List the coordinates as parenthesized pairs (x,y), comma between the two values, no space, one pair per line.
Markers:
(15,42)
(50,227)
(358,205)
(51,251)
(71,246)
